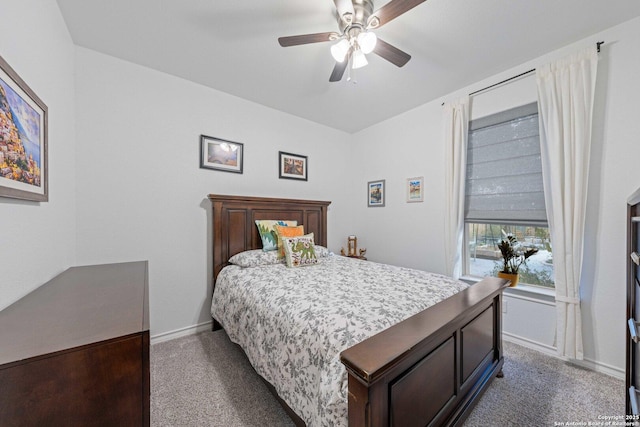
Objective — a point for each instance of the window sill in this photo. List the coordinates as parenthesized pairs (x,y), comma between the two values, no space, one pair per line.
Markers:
(526,292)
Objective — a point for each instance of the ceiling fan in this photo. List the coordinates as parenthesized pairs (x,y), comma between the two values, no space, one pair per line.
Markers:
(356,20)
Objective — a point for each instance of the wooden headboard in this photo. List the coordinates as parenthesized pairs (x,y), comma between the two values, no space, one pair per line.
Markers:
(234,228)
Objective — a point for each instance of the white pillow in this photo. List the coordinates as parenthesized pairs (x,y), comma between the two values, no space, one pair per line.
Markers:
(321,251)
(256,257)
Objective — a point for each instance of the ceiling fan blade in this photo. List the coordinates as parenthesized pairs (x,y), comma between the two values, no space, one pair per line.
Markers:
(391,53)
(308,38)
(390,11)
(338,71)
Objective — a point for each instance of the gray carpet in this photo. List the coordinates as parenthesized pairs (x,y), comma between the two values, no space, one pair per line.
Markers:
(205,380)
(539,390)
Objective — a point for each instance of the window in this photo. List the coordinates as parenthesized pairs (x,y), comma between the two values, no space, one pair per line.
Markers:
(505,195)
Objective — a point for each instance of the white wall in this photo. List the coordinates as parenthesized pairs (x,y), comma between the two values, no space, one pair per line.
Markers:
(142,195)
(411,234)
(38,239)
(406,146)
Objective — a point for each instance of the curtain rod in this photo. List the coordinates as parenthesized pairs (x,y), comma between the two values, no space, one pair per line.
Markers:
(502,82)
(515,77)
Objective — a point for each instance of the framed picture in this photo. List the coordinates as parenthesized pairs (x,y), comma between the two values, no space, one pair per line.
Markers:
(415,189)
(220,154)
(375,193)
(23,139)
(293,166)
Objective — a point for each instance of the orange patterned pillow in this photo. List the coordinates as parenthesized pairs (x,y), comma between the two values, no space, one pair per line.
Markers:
(283,231)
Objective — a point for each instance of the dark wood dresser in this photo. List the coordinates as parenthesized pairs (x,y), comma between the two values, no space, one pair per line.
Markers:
(633,308)
(75,352)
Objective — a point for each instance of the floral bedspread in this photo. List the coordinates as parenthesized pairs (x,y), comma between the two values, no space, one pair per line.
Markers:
(293,322)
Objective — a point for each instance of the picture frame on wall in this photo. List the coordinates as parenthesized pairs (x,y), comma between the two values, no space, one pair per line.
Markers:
(24,171)
(293,166)
(415,189)
(221,154)
(375,193)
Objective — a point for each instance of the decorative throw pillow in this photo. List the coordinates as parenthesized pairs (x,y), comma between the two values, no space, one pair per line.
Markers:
(255,258)
(283,231)
(268,233)
(299,251)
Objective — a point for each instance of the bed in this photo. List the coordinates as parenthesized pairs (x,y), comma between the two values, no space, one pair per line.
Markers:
(428,369)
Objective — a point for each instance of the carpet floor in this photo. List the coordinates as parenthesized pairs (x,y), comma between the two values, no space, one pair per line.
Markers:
(205,380)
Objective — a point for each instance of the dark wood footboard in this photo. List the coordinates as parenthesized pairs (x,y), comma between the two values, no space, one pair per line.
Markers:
(431,368)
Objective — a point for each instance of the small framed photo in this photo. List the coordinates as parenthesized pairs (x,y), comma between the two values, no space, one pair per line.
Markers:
(375,193)
(293,166)
(220,154)
(415,189)
(24,168)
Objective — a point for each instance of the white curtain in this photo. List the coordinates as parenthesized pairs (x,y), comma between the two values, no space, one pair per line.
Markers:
(565,98)
(456,124)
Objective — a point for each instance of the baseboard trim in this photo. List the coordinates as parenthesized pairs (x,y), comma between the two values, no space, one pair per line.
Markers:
(603,368)
(525,342)
(182,332)
(533,345)
(590,364)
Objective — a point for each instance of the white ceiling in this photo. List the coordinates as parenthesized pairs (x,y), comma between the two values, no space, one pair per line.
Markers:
(232,46)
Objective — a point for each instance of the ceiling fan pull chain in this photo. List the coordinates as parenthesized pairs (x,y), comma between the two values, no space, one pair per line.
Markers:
(351,73)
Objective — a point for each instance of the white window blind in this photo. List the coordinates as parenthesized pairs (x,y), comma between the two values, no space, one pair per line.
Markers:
(504,169)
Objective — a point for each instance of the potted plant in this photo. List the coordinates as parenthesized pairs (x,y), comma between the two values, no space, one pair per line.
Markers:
(512,259)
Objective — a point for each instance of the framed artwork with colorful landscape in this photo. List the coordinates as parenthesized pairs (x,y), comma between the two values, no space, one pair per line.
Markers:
(23,139)
(415,189)
(293,166)
(220,154)
(375,193)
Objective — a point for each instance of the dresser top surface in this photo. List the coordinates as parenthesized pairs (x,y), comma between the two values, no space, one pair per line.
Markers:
(81,306)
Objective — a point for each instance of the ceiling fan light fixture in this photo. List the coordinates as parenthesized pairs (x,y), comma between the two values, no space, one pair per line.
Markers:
(339,50)
(367,41)
(358,59)
(355,38)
